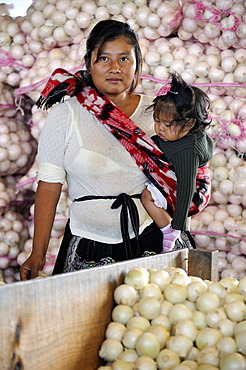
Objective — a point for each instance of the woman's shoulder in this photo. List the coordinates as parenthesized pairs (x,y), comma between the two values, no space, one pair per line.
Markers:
(144,102)
(60,115)
(146,99)
(63,106)
(143,117)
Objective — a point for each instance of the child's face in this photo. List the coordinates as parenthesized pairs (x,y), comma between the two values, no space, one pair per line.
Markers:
(167,132)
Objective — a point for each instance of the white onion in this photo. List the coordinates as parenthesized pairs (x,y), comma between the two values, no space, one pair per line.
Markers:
(162,320)
(147,345)
(208,356)
(218,289)
(175,293)
(161,333)
(207,301)
(122,314)
(151,290)
(167,359)
(110,349)
(180,344)
(126,295)
(149,307)
(160,278)
(186,328)
(207,337)
(138,322)
(232,361)
(115,330)
(225,327)
(137,278)
(179,312)
(235,310)
(145,363)
(130,337)
(195,289)
(120,364)
(232,297)
(240,326)
(214,316)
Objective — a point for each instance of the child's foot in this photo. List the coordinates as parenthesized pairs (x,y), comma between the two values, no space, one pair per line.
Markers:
(169,237)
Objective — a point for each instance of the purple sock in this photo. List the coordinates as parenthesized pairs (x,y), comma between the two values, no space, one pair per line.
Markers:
(169,237)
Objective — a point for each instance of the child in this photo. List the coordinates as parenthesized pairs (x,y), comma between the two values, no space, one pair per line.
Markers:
(181,116)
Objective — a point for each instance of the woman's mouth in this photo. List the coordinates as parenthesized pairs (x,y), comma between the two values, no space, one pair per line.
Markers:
(114,80)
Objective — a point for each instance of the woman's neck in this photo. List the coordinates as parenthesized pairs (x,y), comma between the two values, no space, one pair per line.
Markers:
(127,104)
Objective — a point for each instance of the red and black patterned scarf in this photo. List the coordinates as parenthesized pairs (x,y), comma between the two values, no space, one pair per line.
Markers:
(143,150)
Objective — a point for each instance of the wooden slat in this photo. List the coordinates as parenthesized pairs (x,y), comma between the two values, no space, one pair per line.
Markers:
(204,264)
(59,322)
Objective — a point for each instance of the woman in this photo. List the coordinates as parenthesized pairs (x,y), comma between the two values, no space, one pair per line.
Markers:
(90,141)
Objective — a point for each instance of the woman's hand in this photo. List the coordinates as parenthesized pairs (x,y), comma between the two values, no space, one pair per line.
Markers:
(30,268)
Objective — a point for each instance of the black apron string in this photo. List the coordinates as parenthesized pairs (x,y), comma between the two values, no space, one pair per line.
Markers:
(128,207)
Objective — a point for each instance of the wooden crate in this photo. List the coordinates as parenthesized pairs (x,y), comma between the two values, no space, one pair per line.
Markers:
(59,322)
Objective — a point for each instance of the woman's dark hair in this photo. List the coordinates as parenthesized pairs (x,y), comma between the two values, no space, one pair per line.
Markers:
(188,104)
(109,30)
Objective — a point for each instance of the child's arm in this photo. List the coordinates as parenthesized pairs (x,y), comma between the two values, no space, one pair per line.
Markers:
(162,219)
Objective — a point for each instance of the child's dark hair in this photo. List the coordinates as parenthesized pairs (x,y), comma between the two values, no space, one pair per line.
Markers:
(109,30)
(188,104)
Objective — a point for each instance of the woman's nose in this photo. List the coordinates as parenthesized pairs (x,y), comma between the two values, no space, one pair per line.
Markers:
(115,67)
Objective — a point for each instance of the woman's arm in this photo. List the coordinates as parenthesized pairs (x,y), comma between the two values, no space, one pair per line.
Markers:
(47,197)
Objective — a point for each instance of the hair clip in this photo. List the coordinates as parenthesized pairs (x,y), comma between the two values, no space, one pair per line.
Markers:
(165,89)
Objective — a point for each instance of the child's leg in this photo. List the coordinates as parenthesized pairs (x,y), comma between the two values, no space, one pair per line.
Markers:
(162,220)
(159,215)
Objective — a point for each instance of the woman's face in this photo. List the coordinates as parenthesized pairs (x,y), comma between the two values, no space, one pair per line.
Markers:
(114,71)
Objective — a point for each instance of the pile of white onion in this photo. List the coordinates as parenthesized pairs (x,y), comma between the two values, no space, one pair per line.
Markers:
(222,23)
(165,319)
(17,147)
(228,126)
(222,226)
(53,248)
(13,235)
(10,196)
(16,56)
(62,22)
(68,57)
(197,63)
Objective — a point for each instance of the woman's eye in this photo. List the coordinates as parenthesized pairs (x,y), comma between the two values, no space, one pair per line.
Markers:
(104,59)
(124,59)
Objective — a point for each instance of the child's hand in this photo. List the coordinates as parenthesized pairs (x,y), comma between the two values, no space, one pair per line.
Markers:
(169,237)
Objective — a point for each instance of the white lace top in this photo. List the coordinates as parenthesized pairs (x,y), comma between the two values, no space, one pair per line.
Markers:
(76,147)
